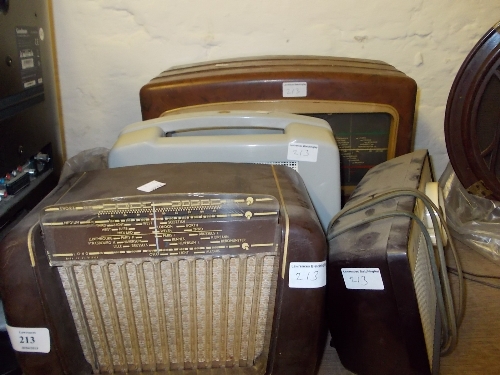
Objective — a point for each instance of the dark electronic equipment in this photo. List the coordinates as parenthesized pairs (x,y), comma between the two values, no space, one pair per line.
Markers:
(369,104)
(31,151)
(385,293)
(222,270)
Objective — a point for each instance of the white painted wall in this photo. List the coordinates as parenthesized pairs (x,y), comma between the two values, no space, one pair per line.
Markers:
(108,49)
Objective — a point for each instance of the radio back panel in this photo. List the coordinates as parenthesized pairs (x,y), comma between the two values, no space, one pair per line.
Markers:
(192,276)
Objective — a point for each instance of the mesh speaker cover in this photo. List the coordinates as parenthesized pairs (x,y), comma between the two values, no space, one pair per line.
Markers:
(189,278)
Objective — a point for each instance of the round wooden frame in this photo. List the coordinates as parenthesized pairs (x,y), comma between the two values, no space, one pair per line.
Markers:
(472,121)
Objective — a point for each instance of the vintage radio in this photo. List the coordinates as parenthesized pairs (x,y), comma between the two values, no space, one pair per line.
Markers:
(471,124)
(388,301)
(303,143)
(369,104)
(212,268)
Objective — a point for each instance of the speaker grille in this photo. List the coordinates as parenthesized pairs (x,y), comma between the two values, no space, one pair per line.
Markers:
(290,164)
(426,296)
(173,313)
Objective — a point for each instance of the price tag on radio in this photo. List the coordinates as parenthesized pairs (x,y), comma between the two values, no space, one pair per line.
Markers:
(30,340)
(362,278)
(294,89)
(307,274)
(150,186)
(302,152)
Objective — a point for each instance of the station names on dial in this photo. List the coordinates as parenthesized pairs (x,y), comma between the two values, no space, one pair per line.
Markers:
(232,224)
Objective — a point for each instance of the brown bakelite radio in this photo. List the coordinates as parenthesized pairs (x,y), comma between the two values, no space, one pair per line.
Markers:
(389,308)
(208,268)
(369,104)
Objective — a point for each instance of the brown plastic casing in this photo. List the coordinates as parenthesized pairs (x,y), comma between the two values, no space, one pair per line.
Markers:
(379,329)
(33,295)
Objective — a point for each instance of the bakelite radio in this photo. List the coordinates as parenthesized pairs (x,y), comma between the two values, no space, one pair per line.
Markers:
(302,143)
(386,299)
(209,268)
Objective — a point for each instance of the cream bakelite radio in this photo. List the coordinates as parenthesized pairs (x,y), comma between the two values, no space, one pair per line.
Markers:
(303,143)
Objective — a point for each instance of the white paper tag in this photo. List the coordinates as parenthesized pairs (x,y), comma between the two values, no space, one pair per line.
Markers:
(307,274)
(294,89)
(363,278)
(31,340)
(150,186)
(302,152)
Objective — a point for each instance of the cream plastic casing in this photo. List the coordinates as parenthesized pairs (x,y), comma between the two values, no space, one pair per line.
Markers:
(239,137)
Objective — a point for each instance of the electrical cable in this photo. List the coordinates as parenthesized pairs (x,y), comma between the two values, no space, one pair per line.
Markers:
(476,277)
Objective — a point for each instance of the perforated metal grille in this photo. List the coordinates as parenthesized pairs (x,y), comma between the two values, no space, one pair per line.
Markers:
(426,295)
(174,313)
(291,164)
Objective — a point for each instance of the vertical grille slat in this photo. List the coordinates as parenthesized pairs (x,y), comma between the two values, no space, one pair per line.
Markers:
(70,283)
(161,314)
(209,313)
(224,307)
(179,345)
(143,300)
(174,313)
(239,310)
(114,316)
(192,313)
(255,310)
(129,312)
(99,324)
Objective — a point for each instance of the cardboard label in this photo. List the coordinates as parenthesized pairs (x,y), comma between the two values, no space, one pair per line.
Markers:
(307,274)
(29,340)
(302,152)
(294,89)
(363,278)
(151,186)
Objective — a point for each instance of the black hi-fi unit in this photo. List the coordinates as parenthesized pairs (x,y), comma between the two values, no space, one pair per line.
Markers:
(31,151)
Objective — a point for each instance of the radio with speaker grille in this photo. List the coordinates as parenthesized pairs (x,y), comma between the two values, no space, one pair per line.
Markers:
(389,304)
(212,268)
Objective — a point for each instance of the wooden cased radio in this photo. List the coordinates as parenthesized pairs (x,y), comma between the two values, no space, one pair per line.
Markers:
(369,104)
